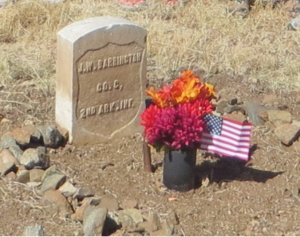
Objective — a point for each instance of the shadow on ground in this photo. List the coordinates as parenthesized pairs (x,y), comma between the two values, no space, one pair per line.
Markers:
(226,170)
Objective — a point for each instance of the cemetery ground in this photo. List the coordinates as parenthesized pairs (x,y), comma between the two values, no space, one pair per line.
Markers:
(254,59)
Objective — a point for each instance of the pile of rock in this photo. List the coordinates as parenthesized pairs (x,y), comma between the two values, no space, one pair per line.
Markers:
(269,113)
(24,157)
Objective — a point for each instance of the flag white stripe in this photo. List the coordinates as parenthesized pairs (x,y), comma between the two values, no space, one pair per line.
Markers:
(225,146)
(208,136)
(224,151)
(237,126)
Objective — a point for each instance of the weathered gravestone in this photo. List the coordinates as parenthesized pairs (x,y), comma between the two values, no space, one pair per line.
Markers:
(101,76)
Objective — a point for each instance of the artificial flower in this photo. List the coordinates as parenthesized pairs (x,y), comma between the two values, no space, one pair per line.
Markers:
(175,120)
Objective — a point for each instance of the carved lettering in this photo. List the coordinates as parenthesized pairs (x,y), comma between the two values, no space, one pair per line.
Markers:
(106,108)
(100,64)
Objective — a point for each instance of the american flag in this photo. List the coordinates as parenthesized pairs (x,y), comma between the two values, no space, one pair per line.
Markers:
(226,137)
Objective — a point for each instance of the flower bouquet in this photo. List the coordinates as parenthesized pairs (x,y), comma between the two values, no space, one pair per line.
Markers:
(174,123)
(175,119)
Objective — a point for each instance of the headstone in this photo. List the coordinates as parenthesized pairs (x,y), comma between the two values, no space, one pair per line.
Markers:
(101,77)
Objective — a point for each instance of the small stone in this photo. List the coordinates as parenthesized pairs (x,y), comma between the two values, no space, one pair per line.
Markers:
(36,175)
(16,151)
(287,133)
(68,189)
(283,116)
(93,220)
(126,221)
(238,116)
(7,140)
(51,136)
(233,101)
(60,201)
(221,106)
(269,99)
(11,175)
(154,221)
(6,156)
(82,193)
(35,158)
(53,179)
(79,212)
(135,214)
(64,132)
(4,120)
(129,203)
(110,203)
(33,184)
(7,167)
(253,111)
(26,135)
(23,176)
(36,230)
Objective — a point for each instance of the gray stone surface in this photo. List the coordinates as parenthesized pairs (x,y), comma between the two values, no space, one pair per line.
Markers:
(35,158)
(51,136)
(23,176)
(52,179)
(253,111)
(36,230)
(82,193)
(68,189)
(93,220)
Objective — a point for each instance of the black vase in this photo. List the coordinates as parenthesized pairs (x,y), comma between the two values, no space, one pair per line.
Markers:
(179,170)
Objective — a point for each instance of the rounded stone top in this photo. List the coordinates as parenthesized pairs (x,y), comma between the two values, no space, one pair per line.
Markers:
(78,29)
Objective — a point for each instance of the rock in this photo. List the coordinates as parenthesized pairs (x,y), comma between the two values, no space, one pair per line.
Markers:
(253,111)
(238,116)
(11,175)
(79,212)
(23,176)
(6,156)
(129,203)
(36,175)
(35,158)
(33,184)
(269,99)
(59,201)
(7,140)
(26,135)
(135,214)
(93,220)
(127,222)
(154,222)
(110,203)
(233,101)
(51,136)
(112,222)
(221,106)
(7,167)
(82,193)
(287,133)
(167,229)
(16,151)
(68,189)
(36,230)
(284,116)
(52,179)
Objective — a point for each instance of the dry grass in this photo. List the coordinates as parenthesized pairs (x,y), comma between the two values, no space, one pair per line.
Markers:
(201,35)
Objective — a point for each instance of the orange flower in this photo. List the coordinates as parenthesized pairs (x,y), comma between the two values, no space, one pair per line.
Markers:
(161,97)
(186,88)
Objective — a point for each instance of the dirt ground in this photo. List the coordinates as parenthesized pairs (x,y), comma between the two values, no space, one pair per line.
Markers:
(257,198)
